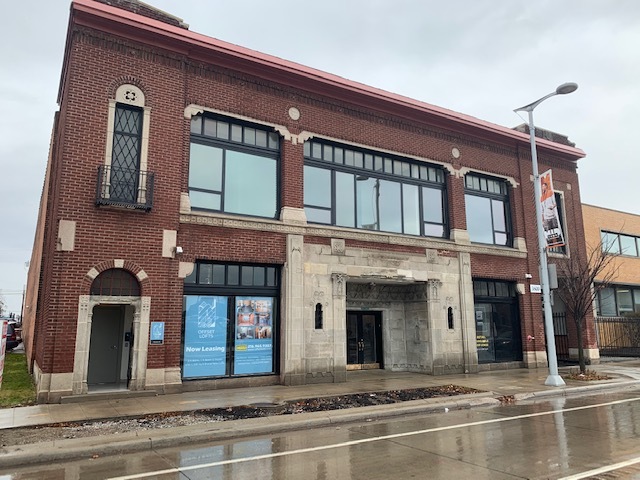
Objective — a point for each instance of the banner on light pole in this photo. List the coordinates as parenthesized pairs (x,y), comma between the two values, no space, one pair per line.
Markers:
(550,217)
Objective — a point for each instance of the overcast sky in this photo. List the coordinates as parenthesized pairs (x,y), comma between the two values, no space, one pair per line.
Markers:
(479,57)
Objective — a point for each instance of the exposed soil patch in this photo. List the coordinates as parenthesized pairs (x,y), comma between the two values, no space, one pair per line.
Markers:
(589,375)
(65,430)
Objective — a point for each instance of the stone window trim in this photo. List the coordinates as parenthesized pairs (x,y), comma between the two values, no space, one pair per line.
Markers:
(128,94)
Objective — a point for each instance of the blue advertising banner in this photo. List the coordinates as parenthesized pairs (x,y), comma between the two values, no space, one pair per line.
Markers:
(205,336)
(254,339)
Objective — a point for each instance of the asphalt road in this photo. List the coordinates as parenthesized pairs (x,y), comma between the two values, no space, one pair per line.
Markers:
(567,437)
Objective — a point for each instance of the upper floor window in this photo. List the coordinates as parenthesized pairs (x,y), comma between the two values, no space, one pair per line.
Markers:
(123,180)
(233,167)
(356,188)
(487,204)
(619,244)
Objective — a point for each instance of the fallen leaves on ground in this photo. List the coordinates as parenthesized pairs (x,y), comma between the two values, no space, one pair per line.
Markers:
(589,375)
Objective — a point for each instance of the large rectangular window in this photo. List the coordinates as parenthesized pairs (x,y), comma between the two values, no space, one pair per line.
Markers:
(230,320)
(233,167)
(487,206)
(618,301)
(357,188)
(620,244)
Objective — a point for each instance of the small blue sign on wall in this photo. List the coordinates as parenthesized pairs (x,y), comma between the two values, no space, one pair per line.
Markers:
(157,333)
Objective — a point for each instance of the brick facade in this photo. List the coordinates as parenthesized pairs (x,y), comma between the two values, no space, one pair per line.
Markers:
(175,70)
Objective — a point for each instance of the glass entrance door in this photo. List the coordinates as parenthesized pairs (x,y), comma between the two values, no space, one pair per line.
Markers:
(497,332)
(364,340)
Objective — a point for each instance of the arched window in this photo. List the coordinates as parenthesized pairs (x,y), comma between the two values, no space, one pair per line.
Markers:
(116,282)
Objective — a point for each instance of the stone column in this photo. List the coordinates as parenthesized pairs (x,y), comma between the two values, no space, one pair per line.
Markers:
(292,325)
(467,315)
(339,302)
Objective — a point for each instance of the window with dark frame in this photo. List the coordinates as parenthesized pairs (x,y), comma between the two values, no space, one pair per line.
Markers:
(115,282)
(620,244)
(487,207)
(358,188)
(233,167)
(618,301)
(230,320)
(125,156)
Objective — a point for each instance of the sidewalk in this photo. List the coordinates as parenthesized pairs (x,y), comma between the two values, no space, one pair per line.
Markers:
(520,383)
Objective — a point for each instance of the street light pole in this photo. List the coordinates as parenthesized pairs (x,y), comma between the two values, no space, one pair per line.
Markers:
(554,379)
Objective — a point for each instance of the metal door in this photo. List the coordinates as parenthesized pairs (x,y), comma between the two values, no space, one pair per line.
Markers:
(105,348)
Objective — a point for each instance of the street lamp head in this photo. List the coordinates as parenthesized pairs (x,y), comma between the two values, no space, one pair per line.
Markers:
(561,90)
(566,88)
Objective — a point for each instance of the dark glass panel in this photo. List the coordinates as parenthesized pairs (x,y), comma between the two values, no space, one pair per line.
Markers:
(205,274)
(233,275)
(388,205)
(223,130)
(210,127)
(345,200)
(317,186)
(250,186)
(196,124)
(479,223)
(271,277)
(246,278)
(218,275)
(258,276)
(261,138)
(411,209)
(318,215)
(236,133)
(249,136)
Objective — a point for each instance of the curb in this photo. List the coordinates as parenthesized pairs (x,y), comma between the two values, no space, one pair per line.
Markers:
(131,442)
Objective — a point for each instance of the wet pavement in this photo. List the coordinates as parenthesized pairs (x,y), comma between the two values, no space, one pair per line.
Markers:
(520,384)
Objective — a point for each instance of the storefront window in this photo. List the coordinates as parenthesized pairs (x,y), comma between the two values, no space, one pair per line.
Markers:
(226,331)
(497,322)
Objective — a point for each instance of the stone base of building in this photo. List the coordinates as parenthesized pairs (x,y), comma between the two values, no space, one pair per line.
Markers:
(535,359)
(591,355)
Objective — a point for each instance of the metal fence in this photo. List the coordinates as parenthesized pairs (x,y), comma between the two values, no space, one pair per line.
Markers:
(562,338)
(618,336)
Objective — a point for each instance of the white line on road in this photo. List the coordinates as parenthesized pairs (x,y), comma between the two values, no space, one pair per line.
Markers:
(598,471)
(367,440)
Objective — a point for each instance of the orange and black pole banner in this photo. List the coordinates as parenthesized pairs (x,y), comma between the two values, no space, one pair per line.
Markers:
(550,216)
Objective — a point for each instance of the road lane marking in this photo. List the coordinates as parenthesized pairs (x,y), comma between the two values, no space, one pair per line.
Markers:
(368,440)
(598,471)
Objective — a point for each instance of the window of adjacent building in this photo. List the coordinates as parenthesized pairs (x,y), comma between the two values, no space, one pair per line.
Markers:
(487,206)
(618,300)
(363,189)
(620,244)
(233,167)
(230,320)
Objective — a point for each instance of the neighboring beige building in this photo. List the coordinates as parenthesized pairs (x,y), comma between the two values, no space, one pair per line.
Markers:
(620,232)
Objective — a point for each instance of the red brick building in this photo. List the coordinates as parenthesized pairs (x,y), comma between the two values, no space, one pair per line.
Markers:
(214,217)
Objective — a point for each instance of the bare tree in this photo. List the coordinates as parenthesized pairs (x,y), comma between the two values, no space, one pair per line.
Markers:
(580,278)
(3,304)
